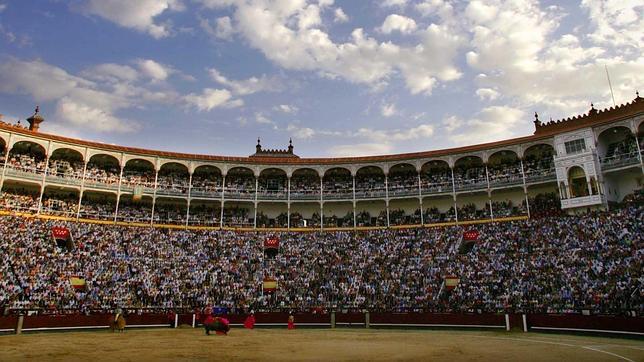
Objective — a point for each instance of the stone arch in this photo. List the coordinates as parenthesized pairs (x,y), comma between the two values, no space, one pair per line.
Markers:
(403,180)
(173,166)
(305,184)
(370,182)
(539,149)
(70,153)
(338,183)
(362,170)
(66,162)
(174,177)
(469,173)
(436,176)
(577,182)
(336,170)
(141,163)
(618,140)
(469,161)
(204,167)
(306,171)
(163,162)
(152,160)
(139,171)
(206,181)
(28,147)
(503,156)
(3,147)
(58,146)
(116,155)
(105,159)
(504,167)
(402,167)
(272,180)
(20,139)
(240,180)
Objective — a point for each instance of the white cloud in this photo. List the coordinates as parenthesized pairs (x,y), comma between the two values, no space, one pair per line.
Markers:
(617,23)
(442,8)
(487,94)
(340,16)
(154,70)
(519,53)
(99,91)
(246,86)
(388,110)
(291,34)
(262,119)
(396,135)
(286,108)
(210,99)
(491,124)
(224,28)
(139,14)
(3,7)
(300,132)
(395,22)
(389,3)
(110,72)
(82,115)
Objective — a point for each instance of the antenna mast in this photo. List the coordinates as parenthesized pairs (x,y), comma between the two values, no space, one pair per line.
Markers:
(610,85)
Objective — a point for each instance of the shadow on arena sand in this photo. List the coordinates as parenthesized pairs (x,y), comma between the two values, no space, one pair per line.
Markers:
(339,344)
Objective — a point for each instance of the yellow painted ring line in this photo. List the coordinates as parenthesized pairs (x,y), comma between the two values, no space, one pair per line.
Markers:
(250,229)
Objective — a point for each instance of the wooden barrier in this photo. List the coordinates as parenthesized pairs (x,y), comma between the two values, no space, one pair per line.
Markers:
(533,322)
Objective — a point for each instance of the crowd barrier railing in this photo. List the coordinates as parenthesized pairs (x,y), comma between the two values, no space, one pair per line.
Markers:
(562,323)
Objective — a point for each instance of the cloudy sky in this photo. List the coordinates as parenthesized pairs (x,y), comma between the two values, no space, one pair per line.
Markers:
(343,77)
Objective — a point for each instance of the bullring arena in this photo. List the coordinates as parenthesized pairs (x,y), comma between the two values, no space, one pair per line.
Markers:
(316,344)
(477,253)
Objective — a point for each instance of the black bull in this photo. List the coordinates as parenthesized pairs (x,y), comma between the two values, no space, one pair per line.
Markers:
(217,326)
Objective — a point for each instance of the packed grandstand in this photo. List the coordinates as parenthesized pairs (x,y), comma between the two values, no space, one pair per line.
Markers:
(550,222)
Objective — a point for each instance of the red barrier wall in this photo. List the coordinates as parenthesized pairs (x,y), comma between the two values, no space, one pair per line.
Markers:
(350,317)
(535,321)
(60,321)
(8,322)
(600,323)
(438,318)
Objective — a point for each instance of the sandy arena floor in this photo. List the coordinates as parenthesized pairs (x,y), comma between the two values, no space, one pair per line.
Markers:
(302,344)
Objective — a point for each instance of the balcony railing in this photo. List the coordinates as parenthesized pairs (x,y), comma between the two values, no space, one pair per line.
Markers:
(335,191)
(540,175)
(620,160)
(305,194)
(30,173)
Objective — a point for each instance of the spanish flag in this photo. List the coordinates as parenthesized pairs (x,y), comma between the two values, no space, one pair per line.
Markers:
(77,283)
(270,285)
(451,281)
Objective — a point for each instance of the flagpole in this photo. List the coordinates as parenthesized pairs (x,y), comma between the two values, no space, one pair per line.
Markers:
(610,85)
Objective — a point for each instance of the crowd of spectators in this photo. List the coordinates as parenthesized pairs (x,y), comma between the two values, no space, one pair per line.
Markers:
(552,264)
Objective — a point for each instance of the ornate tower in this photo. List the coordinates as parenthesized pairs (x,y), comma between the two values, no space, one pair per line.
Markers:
(35,120)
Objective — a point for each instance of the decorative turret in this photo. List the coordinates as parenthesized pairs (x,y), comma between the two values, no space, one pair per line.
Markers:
(35,120)
(259,152)
(593,117)
(592,110)
(537,122)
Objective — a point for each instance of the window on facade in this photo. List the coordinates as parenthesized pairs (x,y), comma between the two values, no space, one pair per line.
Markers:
(575,146)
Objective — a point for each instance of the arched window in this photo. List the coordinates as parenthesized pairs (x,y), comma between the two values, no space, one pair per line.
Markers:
(577,182)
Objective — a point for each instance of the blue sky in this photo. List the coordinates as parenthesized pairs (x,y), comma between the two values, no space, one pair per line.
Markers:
(342,78)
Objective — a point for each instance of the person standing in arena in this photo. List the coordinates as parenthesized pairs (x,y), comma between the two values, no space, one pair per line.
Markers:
(291,322)
(249,323)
